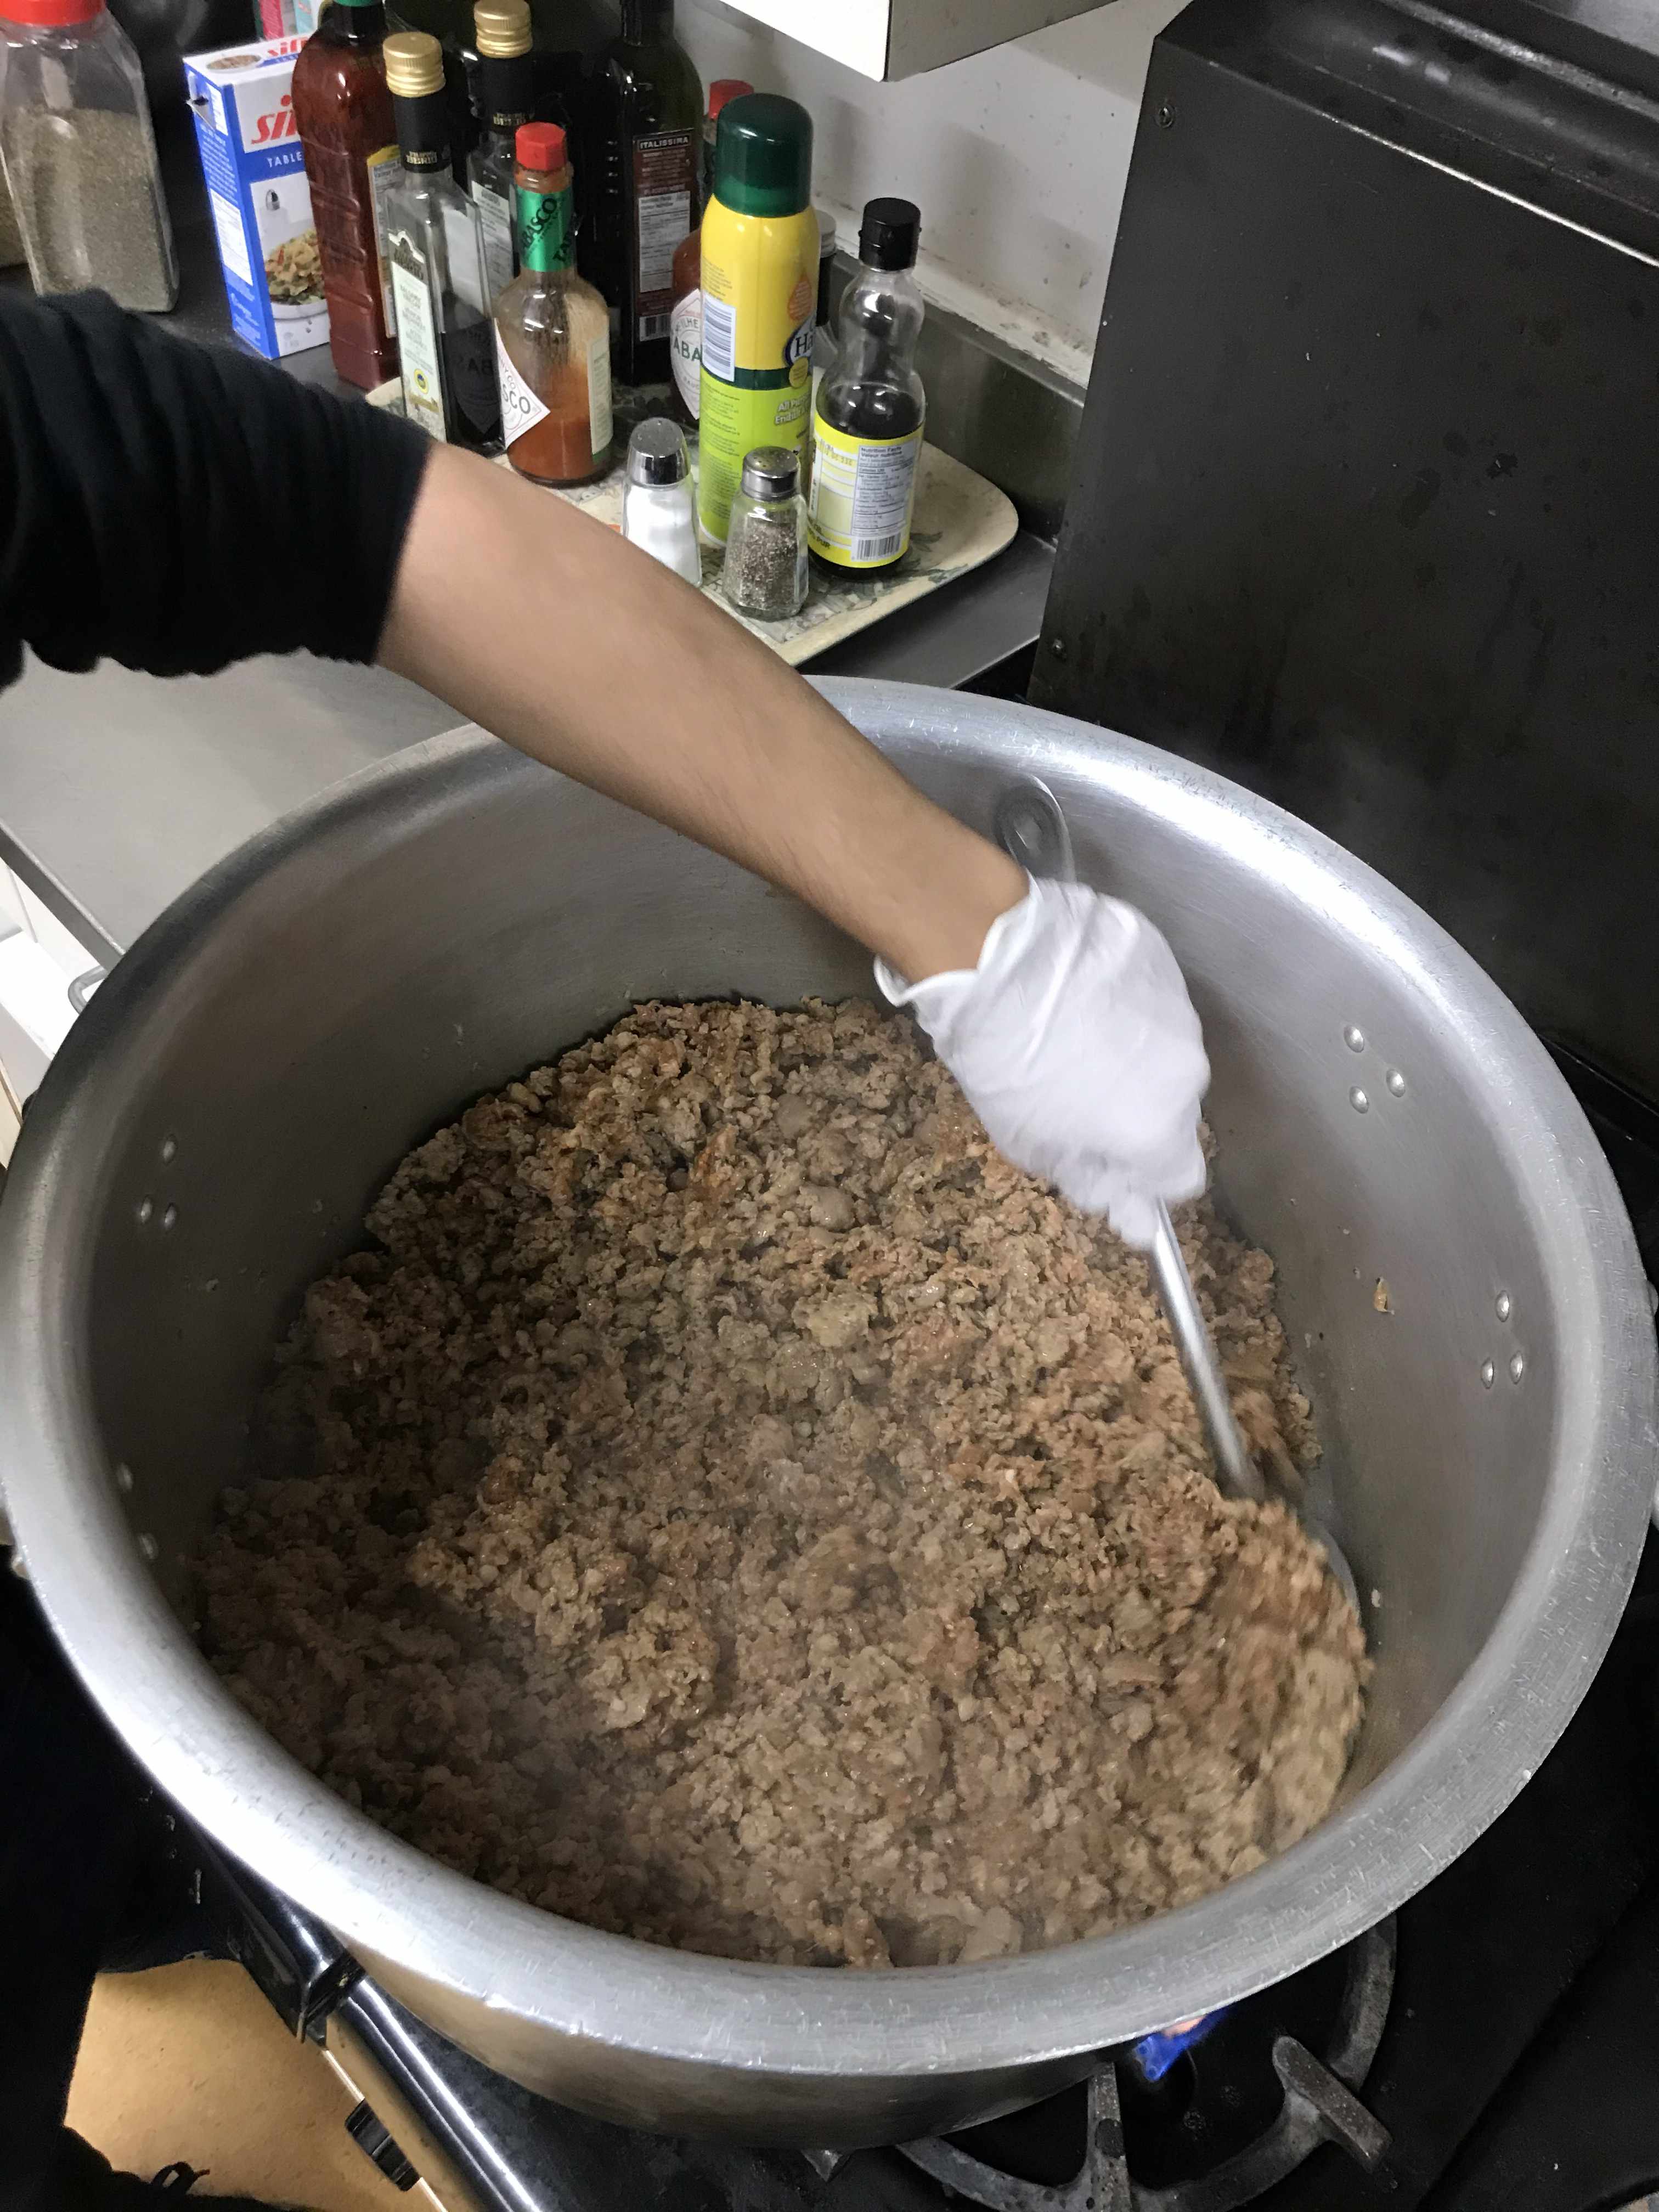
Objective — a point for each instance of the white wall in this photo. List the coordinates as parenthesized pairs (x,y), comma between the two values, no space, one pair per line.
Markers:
(1016,157)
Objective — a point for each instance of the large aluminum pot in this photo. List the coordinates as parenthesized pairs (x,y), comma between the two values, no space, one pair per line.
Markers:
(212,1133)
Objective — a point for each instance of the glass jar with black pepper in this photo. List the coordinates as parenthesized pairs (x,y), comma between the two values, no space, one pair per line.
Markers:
(79,155)
(765,571)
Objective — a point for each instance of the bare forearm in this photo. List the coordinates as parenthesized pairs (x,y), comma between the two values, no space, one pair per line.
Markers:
(538,623)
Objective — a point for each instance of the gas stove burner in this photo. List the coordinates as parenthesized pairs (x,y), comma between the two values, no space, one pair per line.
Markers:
(1214,2124)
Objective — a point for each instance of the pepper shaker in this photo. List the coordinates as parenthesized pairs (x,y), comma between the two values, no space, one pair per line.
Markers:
(765,572)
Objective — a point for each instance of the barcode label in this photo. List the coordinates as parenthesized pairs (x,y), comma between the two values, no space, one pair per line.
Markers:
(858,515)
(720,338)
(653,327)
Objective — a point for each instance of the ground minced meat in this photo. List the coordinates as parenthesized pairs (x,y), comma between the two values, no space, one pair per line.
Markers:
(727,1504)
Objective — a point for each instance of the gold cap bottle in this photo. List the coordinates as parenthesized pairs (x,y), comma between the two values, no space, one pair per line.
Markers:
(502,28)
(414,64)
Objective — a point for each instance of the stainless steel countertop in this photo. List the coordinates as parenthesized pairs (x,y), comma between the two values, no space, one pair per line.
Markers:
(118,790)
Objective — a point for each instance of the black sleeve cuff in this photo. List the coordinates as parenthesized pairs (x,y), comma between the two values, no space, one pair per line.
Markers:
(176,507)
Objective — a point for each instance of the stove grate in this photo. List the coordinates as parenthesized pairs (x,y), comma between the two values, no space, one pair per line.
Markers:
(1318,2105)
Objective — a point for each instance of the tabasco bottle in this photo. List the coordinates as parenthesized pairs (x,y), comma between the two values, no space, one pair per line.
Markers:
(343,114)
(552,329)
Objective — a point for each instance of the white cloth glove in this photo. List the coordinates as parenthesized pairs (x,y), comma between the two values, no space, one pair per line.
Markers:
(1075,1042)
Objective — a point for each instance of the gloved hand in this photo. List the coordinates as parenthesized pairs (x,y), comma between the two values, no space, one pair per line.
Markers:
(1075,1042)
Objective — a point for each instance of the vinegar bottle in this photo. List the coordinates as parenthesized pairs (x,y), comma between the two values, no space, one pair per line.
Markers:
(435,241)
(343,114)
(507,99)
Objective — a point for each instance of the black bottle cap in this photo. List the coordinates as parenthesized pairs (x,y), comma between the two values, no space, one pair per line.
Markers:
(888,235)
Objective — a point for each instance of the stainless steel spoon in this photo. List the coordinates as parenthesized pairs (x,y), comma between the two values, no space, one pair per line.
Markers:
(1032,830)
(1237,1473)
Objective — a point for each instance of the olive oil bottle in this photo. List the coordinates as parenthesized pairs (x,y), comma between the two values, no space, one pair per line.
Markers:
(649,102)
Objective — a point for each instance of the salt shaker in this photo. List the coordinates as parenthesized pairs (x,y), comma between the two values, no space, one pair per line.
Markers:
(658,515)
(765,572)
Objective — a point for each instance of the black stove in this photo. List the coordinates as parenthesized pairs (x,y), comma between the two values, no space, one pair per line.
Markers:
(1493,2048)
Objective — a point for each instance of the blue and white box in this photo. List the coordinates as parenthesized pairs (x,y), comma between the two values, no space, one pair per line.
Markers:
(258,191)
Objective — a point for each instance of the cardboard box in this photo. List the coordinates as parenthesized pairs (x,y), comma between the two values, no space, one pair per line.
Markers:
(287,19)
(258,195)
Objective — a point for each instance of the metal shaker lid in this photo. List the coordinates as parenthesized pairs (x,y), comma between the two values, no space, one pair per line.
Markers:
(656,453)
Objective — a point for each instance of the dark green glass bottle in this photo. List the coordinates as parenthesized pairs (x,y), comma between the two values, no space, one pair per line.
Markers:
(646,189)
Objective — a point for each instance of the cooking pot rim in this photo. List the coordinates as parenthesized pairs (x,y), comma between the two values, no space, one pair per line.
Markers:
(447,1932)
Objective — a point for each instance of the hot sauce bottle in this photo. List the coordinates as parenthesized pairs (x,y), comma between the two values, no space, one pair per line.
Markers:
(344,112)
(552,329)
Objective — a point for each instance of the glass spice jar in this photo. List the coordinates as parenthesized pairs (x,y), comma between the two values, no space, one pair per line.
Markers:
(765,571)
(79,155)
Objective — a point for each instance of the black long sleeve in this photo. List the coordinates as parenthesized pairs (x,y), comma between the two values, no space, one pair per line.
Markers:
(177,507)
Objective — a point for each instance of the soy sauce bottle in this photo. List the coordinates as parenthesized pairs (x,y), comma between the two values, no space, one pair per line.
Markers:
(868,422)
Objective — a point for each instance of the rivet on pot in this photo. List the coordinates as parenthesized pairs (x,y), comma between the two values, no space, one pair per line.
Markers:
(1396,1083)
(150,1548)
(123,1478)
(170,1217)
(1358,1101)
(146,1206)
(1354,1038)
(1488,1373)
(1505,1305)
(169,1151)
(1517,1368)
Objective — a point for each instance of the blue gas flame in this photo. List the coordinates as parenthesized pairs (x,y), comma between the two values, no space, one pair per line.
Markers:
(1154,2055)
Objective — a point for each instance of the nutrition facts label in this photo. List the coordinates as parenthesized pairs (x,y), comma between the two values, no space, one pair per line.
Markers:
(664,173)
(862,494)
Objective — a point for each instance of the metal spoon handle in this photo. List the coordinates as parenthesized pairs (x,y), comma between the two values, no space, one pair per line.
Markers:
(1030,827)
(1237,1475)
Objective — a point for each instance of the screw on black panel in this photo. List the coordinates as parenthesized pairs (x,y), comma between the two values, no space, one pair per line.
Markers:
(1166,115)
(1057,646)
(363,2126)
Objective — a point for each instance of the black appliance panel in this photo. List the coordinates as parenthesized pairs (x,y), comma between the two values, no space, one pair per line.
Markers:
(1366,513)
